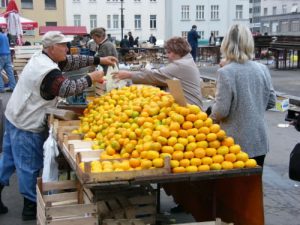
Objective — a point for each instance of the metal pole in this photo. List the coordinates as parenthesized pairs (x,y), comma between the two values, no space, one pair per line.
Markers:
(122,19)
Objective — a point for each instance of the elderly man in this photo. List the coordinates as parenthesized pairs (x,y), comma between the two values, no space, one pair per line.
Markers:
(40,83)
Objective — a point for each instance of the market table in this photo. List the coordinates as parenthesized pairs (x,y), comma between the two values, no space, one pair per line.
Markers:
(233,195)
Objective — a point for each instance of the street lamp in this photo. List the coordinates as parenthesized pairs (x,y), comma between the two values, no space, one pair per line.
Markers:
(122,19)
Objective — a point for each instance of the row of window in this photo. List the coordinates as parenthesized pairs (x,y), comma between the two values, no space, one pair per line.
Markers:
(113,21)
(283,9)
(214,12)
(28,4)
(113,0)
(281,27)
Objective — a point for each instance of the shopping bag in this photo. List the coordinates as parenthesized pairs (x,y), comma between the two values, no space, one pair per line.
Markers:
(50,171)
(294,165)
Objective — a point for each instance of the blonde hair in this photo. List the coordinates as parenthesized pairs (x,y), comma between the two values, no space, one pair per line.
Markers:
(238,44)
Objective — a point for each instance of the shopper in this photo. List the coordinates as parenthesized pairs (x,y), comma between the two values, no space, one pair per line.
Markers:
(5,62)
(244,93)
(193,41)
(130,39)
(181,67)
(105,47)
(40,83)
(212,39)
(152,39)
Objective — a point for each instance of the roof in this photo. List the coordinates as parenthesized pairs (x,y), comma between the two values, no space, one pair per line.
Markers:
(67,30)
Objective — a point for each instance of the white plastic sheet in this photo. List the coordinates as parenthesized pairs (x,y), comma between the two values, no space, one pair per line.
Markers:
(50,171)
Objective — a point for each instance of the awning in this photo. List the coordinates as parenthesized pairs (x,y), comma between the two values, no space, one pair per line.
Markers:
(67,30)
(27,24)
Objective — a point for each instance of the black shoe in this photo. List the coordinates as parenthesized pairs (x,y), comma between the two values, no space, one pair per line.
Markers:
(177,209)
(29,210)
(3,208)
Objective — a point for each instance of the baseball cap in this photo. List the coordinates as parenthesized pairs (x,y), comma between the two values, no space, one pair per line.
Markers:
(54,37)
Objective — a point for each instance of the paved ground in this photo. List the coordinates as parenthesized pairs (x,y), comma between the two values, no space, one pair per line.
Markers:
(281,195)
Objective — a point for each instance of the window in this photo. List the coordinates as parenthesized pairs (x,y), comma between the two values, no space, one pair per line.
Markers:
(185,12)
(92,0)
(265,11)
(201,34)
(74,1)
(3,3)
(239,12)
(26,4)
(215,32)
(284,10)
(295,26)
(184,34)
(274,10)
(137,0)
(250,10)
(53,24)
(137,21)
(93,21)
(77,20)
(152,0)
(50,4)
(152,21)
(285,26)
(115,21)
(214,12)
(199,12)
(108,22)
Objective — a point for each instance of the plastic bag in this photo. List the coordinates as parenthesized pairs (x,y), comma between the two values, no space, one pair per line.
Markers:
(50,171)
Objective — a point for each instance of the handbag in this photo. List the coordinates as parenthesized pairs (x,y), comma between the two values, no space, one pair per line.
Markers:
(294,165)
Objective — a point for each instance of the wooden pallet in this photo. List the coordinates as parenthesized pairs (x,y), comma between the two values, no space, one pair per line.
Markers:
(64,202)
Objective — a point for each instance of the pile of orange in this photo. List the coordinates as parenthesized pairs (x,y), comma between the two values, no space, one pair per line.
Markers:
(145,125)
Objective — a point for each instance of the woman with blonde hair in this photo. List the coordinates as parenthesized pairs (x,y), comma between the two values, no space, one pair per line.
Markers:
(244,93)
(181,67)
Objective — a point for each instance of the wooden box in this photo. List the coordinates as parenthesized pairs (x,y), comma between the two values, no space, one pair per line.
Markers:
(64,202)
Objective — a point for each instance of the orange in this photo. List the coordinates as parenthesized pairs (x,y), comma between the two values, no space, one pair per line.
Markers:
(152,155)
(174,126)
(200,137)
(218,158)
(167,149)
(227,165)
(184,162)
(179,169)
(238,164)
(211,137)
(178,147)
(230,157)
(187,125)
(195,162)
(214,144)
(207,160)
(191,146)
(172,141)
(210,151)
(215,128)
(242,156)
(184,111)
(182,141)
(199,153)
(193,131)
(191,169)
(110,151)
(215,166)
(191,117)
(198,123)
(204,130)
(158,162)
(164,155)
(228,141)
(155,135)
(134,162)
(135,154)
(183,133)
(202,116)
(223,150)
(208,122)
(250,163)
(202,144)
(235,149)
(191,138)
(188,155)
(194,109)
(146,163)
(162,140)
(177,155)
(174,163)
(203,168)
(165,132)
(173,133)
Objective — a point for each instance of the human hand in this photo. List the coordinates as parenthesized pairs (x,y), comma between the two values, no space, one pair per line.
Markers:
(97,76)
(108,60)
(121,75)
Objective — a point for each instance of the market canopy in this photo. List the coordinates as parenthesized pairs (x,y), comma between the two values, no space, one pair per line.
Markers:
(27,24)
(67,30)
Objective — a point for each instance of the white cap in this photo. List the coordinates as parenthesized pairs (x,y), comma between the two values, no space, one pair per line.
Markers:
(54,37)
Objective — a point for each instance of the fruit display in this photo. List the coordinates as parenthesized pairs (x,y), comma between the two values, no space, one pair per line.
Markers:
(142,125)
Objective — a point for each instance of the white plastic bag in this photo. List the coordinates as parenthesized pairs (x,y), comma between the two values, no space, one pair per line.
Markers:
(50,171)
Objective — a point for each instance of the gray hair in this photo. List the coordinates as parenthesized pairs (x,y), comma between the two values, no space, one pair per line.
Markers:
(100,32)
(238,44)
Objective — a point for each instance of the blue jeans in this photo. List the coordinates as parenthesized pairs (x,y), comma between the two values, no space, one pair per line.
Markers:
(23,152)
(5,63)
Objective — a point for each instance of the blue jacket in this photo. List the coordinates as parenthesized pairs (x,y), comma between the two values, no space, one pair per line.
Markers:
(4,45)
(193,38)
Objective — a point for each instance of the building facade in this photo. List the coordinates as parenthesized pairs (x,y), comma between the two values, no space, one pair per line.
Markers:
(140,17)
(45,12)
(280,17)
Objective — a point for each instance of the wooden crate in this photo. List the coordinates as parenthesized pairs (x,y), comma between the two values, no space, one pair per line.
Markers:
(131,203)
(66,204)
(60,128)
(87,177)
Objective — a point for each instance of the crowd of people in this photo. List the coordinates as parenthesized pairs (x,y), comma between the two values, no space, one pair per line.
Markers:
(42,82)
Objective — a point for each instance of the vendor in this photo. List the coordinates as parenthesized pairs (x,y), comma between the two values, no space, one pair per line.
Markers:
(40,83)
(181,67)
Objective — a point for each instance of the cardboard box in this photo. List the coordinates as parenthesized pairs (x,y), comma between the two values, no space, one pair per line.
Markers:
(282,104)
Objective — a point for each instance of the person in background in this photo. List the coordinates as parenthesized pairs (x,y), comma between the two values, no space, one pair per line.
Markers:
(130,39)
(110,38)
(152,39)
(136,42)
(92,46)
(193,41)
(105,47)
(244,92)
(124,45)
(181,67)
(41,83)
(5,62)
(212,39)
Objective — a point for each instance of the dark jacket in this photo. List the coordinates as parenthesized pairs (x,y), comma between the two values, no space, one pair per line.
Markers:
(193,38)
